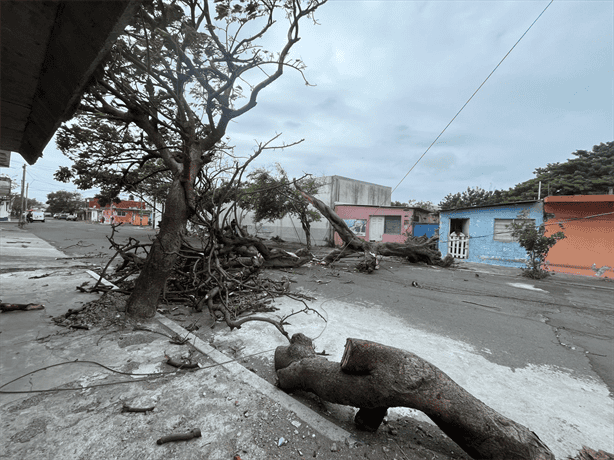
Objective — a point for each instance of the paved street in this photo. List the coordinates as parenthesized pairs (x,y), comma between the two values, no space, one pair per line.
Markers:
(540,352)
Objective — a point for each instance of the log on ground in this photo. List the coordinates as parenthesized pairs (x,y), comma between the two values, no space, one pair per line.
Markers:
(374,377)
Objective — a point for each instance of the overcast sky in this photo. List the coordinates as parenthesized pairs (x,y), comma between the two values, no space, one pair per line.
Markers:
(391,75)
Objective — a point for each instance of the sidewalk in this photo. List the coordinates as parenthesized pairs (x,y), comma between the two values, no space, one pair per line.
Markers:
(239,414)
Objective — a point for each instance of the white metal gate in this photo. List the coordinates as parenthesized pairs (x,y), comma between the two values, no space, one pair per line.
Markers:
(458,245)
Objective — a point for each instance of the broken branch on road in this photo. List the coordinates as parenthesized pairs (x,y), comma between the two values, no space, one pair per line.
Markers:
(374,377)
(7,307)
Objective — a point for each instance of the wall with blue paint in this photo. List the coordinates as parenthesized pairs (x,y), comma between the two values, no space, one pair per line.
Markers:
(482,246)
(427,230)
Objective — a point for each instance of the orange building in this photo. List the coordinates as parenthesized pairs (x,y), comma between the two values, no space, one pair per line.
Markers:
(588,224)
(128,212)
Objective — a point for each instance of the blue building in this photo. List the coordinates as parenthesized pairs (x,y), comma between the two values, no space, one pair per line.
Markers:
(481,234)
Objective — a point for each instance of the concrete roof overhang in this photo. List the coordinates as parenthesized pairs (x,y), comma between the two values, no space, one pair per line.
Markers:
(50,50)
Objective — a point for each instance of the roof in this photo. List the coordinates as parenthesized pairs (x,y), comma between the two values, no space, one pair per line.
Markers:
(509,203)
(386,207)
(580,199)
(50,51)
(127,204)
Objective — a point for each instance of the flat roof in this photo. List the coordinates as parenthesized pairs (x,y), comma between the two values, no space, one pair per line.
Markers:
(508,203)
(579,199)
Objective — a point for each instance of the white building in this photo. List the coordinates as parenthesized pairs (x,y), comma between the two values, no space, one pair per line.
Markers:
(334,191)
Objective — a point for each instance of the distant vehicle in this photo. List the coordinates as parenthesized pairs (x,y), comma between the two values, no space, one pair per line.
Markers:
(38,216)
(62,215)
(48,214)
(71,217)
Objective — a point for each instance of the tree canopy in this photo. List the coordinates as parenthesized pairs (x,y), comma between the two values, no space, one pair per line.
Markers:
(588,173)
(63,201)
(30,203)
(271,196)
(472,197)
(160,106)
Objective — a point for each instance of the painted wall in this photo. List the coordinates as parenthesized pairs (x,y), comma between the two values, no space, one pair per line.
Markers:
(482,246)
(136,212)
(427,230)
(349,212)
(588,240)
(5,211)
(334,189)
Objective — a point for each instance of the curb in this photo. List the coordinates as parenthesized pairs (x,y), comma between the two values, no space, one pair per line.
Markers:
(312,418)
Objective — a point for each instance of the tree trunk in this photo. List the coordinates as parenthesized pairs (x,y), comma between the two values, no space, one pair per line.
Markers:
(374,377)
(307,230)
(161,259)
(416,250)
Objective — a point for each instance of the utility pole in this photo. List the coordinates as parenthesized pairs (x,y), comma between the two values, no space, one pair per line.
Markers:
(23,204)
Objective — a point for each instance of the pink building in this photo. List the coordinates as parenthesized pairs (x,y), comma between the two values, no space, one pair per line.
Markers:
(127,211)
(388,224)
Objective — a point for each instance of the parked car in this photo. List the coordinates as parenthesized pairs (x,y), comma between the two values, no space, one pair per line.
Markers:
(38,216)
(71,217)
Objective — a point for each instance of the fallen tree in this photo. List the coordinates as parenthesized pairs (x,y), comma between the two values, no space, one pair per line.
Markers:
(414,250)
(374,377)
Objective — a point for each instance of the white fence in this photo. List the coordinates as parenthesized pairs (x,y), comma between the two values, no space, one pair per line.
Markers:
(458,245)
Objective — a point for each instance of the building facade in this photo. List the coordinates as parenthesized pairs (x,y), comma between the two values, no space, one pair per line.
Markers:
(333,190)
(588,224)
(481,234)
(388,224)
(127,212)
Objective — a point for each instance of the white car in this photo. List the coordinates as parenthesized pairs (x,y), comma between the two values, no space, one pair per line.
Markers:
(71,217)
(38,216)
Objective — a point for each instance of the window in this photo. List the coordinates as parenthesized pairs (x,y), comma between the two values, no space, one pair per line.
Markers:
(392,225)
(503,229)
(121,213)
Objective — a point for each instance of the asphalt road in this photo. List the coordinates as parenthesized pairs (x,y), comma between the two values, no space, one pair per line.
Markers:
(87,240)
(510,320)
(563,321)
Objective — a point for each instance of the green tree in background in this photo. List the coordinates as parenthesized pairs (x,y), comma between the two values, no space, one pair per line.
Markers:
(472,197)
(63,201)
(31,203)
(272,196)
(588,173)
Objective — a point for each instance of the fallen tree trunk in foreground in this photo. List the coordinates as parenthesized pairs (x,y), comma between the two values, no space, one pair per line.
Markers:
(414,250)
(374,377)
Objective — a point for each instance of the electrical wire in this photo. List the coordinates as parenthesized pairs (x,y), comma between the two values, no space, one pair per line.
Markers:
(468,100)
(150,375)
(545,224)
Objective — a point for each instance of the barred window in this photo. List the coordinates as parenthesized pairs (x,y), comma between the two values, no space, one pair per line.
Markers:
(392,225)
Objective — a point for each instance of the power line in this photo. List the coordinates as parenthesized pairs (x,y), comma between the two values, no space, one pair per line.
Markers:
(560,222)
(465,104)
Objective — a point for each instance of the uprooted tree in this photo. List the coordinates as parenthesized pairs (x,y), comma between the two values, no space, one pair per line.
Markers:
(161,104)
(414,249)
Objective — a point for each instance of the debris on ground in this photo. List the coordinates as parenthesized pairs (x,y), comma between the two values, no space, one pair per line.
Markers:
(6,307)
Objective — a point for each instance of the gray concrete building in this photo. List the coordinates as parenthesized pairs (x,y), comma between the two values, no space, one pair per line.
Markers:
(334,190)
